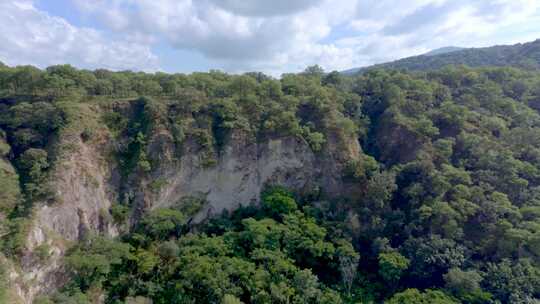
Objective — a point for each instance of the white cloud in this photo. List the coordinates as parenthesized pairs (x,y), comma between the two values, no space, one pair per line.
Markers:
(265,8)
(30,36)
(399,29)
(280,36)
(287,35)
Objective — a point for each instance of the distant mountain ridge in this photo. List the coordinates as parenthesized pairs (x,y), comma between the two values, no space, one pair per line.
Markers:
(522,55)
(444,50)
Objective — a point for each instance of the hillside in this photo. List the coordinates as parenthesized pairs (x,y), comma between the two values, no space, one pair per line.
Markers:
(521,55)
(444,50)
(387,187)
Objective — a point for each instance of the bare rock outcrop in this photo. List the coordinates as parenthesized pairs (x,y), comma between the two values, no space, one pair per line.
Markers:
(86,183)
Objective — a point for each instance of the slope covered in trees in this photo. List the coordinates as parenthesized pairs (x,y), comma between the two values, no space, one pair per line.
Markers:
(444,50)
(522,55)
(444,204)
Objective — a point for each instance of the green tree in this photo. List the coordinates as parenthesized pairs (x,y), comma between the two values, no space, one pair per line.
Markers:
(92,261)
(162,223)
(465,285)
(314,71)
(410,296)
(230,299)
(392,265)
(33,164)
(278,201)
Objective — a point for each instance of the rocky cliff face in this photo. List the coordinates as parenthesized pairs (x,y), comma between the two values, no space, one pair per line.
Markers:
(244,168)
(86,182)
(84,188)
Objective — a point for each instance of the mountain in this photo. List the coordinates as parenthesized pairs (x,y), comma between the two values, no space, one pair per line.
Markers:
(390,187)
(443,50)
(522,55)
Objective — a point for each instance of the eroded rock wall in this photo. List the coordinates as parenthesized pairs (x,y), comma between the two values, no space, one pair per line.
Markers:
(86,182)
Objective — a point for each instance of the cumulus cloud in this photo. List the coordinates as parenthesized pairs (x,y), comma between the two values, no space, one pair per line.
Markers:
(265,8)
(241,35)
(427,15)
(218,31)
(427,24)
(287,35)
(463,16)
(30,36)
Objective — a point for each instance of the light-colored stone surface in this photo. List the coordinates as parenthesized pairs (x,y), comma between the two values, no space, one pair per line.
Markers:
(83,194)
(86,183)
(240,174)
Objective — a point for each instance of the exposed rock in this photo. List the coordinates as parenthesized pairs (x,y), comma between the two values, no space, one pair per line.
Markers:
(84,191)
(86,182)
(240,174)
(244,168)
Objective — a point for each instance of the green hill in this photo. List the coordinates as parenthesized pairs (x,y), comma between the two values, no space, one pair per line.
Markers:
(522,55)
(444,50)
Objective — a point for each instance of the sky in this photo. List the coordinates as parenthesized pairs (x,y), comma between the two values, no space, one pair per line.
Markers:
(272,36)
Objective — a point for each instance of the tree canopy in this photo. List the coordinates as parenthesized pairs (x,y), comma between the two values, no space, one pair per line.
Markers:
(444,203)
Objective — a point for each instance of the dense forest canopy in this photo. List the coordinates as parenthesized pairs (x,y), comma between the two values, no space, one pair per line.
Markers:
(522,55)
(447,204)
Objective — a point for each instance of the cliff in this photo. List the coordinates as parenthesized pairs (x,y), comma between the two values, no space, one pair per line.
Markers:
(87,180)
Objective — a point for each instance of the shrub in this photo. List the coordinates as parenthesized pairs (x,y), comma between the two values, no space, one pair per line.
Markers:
(410,296)
(162,223)
(315,139)
(392,265)
(119,213)
(43,251)
(277,201)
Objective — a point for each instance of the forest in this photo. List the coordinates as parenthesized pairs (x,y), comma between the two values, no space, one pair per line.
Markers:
(444,205)
(521,55)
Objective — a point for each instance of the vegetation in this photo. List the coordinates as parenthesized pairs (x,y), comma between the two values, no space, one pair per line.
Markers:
(446,190)
(276,255)
(3,283)
(9,187)
(526,56)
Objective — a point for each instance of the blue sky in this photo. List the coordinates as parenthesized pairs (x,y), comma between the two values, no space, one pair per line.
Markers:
(252,35)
